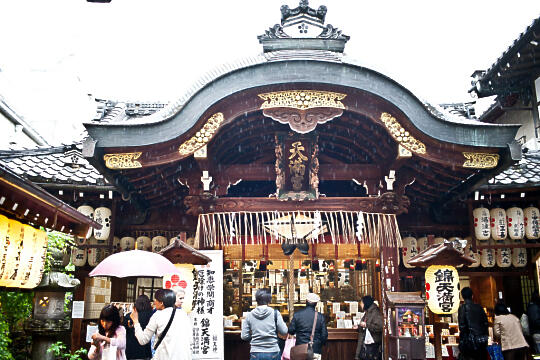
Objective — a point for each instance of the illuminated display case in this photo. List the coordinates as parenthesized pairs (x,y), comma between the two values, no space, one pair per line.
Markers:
(407,321)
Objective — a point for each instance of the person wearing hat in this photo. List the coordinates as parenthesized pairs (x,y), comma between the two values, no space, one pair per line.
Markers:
(369,331)
(302,325)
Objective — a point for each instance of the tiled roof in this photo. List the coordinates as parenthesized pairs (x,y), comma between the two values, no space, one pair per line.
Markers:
(526,173)
(60,165)
(136,113)
(119,111)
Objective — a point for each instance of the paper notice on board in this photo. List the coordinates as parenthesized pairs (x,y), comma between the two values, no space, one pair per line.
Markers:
(353,307)
(90,330)
(336,307)
(77,311)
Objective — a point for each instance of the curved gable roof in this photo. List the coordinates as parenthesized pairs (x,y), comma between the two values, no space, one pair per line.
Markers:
(179,117)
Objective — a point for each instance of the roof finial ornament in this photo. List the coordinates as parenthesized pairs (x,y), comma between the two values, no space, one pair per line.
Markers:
(300,28)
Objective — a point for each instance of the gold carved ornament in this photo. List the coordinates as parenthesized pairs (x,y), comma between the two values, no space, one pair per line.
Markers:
(123,160)
(302,99)
(203,136)
(402,136)
(480,160)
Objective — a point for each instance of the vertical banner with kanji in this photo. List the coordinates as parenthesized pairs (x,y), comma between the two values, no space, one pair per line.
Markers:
(207,312)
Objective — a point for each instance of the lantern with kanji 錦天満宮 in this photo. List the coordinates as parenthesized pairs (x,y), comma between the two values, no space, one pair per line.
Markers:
(442,289)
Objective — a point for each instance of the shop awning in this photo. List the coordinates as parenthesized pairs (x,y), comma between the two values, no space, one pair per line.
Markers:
(276,227)
(22,200)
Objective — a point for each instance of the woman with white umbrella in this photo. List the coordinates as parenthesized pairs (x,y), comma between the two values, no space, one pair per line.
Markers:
(172,328)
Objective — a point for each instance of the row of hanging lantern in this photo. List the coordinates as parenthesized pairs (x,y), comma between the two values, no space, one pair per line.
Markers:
(94,256)
(499,224)
(486,258)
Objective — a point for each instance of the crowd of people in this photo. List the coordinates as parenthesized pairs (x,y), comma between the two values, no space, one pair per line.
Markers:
(152,332)
(264,327)
(145,333)
(508,330)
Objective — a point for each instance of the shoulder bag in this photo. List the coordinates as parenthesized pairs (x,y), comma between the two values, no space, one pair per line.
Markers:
(162,335)
(305,351)
(281,342)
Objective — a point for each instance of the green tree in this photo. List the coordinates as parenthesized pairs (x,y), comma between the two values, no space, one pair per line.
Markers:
(17,305)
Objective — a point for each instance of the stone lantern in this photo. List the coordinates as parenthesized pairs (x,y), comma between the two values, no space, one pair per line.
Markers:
(49,322)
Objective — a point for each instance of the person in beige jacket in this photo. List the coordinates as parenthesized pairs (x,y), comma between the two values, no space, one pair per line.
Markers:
(507,328)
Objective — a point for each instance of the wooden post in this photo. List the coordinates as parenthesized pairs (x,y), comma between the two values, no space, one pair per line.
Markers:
(437,327)
(471,225)
(77,324)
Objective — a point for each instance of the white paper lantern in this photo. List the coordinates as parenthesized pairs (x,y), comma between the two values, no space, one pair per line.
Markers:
(442,289)
(532,223)
(92,257)
(144,243)
(116,244)
(481,220)
(422,243)
(127,243)
(439,240)
(488,257)
(102,216)
(102,253)
(452,239)
(504,256)
(158,243)
(87,210)
(408,250)
(516,223)
(78,256)
(498,224)
(519,256)
(471,253)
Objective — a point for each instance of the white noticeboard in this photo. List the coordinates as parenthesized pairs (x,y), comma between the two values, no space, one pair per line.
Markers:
(77,311)
(207,313)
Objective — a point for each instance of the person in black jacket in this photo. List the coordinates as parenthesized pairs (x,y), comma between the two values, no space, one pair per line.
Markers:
(133,349)
(533,315)
(473,328)
(302,324)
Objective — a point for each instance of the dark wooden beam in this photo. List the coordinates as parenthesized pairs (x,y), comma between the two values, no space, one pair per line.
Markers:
(266,172)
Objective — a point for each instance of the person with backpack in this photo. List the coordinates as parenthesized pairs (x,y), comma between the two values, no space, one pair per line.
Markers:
(171,326)
(473,328)
(507,328)
(261,327)
(533,317)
